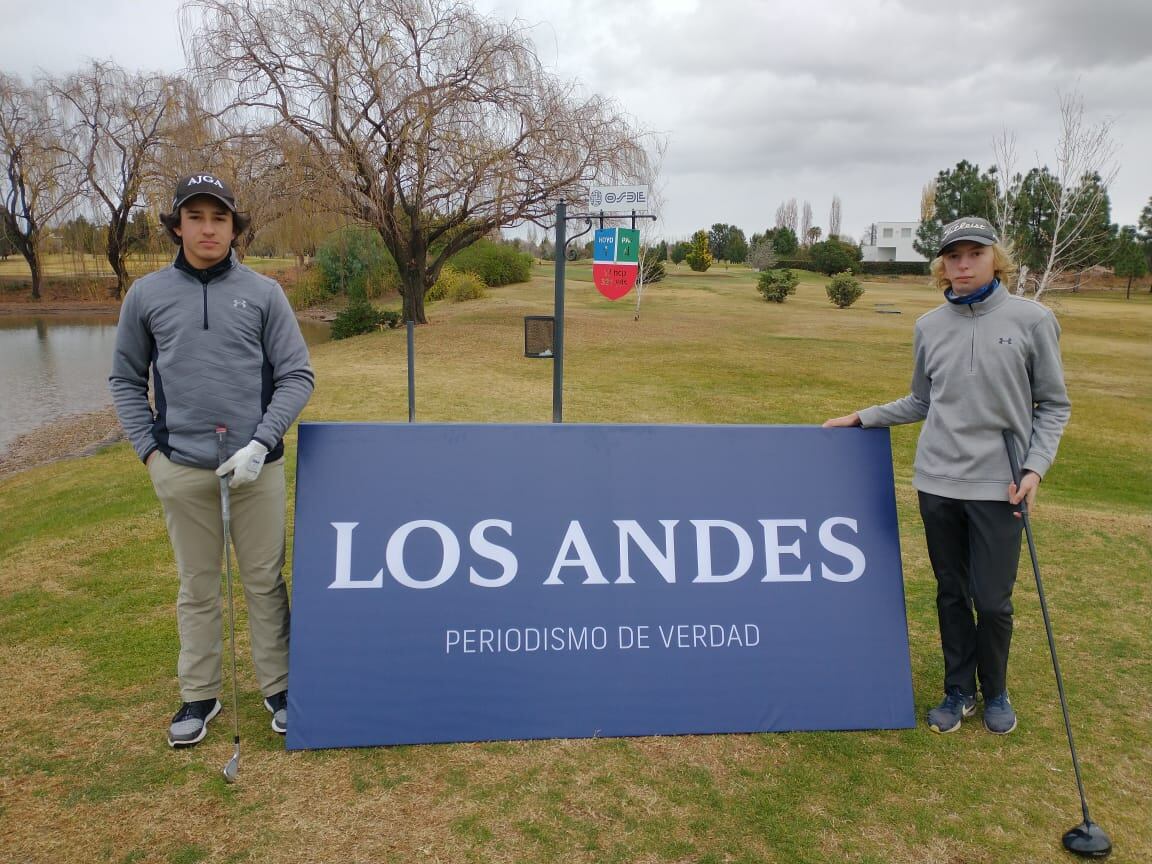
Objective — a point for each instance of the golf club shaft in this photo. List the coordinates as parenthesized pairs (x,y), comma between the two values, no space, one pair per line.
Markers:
(1014,461)
(226,515)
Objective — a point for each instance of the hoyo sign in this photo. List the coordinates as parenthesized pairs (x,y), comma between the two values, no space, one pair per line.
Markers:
(616,261)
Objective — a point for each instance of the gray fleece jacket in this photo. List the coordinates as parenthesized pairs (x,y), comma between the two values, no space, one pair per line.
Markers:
(980,369)
(224,349)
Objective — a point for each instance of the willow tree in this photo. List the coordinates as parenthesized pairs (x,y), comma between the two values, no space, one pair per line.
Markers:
(37,183)
(430,122)
(113,121)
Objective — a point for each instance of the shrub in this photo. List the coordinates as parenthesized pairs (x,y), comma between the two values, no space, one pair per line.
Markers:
(495,263)
(354,261)
(458,286)
(844,290)
(360,316)
(797,264)
(894,268)
(833,256)
(307,291)
(776,285)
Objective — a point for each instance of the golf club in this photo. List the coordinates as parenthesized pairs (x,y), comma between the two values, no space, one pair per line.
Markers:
(232,769)
(1087,839)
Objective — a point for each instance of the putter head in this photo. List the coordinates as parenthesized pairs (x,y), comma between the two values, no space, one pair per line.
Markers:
(1088,840)
(232,769)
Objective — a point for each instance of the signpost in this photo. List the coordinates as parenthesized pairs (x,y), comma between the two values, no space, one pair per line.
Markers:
(615,280)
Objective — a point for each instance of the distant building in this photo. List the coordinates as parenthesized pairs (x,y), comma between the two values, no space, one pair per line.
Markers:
(890,241)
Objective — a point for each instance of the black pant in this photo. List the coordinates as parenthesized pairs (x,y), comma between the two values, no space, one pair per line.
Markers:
(974,547)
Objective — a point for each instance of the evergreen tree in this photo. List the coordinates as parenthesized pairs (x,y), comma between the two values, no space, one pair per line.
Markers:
(1129,257)
(785,242)
(700,256)
(960,191)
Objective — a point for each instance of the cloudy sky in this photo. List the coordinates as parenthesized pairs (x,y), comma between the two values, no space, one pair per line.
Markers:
(763,101)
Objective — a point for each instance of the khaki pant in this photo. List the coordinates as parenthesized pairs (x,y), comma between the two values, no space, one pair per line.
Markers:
(191,500)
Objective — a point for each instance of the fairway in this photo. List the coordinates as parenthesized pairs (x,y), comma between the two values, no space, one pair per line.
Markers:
(87,588)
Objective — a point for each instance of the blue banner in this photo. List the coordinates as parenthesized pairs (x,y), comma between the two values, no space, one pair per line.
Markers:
(604,249)
(465,583)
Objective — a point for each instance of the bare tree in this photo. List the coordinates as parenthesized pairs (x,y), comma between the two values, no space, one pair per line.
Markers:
(806,224)
(36,183)
(1004,155)
(1085,167)
(834,217)
(113,120)
(433,124)
(786,215)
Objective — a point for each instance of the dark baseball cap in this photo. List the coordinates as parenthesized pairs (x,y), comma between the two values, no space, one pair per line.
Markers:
(968,228)
(203,184)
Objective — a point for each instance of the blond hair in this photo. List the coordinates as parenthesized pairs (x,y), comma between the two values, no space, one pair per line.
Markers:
(1005,267)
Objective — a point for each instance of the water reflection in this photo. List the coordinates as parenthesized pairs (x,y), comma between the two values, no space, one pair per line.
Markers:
(57,365)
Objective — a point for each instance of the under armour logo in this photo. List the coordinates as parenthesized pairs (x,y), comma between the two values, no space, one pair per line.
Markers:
(1005,340)
(243,304)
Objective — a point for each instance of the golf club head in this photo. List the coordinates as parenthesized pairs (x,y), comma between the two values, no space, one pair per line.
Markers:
(1088,840)
(232,769)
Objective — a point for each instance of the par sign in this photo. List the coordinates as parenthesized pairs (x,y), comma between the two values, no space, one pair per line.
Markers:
(616,261)
(566,581)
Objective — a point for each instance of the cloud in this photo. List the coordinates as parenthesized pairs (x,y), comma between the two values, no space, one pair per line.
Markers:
(760,101)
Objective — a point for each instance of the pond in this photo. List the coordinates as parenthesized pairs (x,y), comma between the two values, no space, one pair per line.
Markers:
(57,365)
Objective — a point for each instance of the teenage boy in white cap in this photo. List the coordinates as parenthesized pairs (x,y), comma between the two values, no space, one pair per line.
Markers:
(985,361)
(223,349)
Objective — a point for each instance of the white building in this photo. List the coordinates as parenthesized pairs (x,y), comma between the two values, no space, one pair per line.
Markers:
(890,241)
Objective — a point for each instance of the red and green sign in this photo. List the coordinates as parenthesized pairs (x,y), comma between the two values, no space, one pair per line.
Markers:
(616,261)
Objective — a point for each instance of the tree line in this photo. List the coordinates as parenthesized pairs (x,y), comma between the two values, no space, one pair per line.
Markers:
(424,120)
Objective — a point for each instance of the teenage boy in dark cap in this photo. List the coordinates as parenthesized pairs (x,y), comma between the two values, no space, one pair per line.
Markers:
(223,349)
(985,361)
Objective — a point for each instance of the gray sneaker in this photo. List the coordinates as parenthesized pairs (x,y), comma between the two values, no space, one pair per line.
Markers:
(999,715)
(190,724)
(946,716)
(278,705)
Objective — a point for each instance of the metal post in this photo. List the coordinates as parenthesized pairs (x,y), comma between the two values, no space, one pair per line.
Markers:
(558,337)
(411,371)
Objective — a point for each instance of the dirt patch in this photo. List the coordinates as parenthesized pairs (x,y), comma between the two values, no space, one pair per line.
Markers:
(68,438)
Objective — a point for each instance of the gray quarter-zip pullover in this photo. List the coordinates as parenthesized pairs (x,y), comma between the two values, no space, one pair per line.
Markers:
(223,348)
(980,369)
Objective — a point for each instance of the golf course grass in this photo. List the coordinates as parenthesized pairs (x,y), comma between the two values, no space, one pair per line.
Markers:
(88,638)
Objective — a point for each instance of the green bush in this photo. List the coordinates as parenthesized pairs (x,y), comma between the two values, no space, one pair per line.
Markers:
(797,264)
(834,256)
(894,268)
(776,285)
(495,263)
(844,289)
(354,261)
(458,286)
(307,291)
(360,316)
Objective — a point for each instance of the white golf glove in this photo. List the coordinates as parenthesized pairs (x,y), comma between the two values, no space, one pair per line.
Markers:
(245,464)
